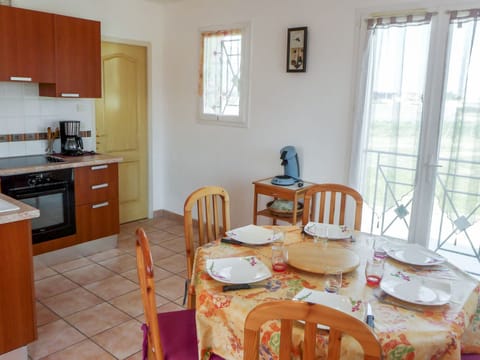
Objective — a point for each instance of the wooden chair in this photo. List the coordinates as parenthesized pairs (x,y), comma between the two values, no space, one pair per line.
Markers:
(170,335)
(289,311)
(167,335)
(336,206)
(212,204)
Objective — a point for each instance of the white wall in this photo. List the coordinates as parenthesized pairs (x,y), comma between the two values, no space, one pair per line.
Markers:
(312,110)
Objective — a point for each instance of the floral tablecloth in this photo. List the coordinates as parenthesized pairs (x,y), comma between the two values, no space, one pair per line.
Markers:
(409,332)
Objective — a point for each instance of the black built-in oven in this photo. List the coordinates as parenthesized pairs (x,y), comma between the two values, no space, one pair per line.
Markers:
(51,192)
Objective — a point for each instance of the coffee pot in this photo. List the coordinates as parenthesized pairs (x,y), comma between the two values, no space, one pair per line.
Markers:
(73,144)
(71,141)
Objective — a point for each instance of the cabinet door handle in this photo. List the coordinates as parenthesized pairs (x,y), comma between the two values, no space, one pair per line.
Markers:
(99,186)
(20,78)
(96,206)
(99,167)
(69,95)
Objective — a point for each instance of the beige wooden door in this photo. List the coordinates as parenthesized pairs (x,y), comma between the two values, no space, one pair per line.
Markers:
(121,123)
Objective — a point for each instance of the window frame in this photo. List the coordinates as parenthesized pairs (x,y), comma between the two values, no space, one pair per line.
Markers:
(244,84)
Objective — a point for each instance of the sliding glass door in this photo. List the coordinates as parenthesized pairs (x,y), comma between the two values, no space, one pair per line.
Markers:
(417,159)
(455,226)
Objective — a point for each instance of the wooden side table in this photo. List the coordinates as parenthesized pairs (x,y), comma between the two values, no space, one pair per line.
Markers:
(266,188)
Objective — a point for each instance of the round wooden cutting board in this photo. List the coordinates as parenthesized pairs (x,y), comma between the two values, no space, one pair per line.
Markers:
(317,259)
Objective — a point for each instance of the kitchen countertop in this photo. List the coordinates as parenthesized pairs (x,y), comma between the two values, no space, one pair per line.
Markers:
(24,211)
(70,162)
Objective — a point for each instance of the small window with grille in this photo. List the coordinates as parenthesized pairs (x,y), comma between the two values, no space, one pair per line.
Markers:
(223,80)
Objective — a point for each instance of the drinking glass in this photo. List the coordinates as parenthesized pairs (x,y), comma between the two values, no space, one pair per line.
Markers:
(279,258)
(321,235)
(333,281)
(278,235)
(379,248)
(374,271)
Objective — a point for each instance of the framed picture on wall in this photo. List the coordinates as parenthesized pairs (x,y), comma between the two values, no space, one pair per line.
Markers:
(297,49)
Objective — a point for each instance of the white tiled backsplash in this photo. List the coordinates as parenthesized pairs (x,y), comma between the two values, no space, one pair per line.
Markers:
(22,111)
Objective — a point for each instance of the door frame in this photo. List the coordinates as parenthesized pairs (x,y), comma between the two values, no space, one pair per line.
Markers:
(148,46)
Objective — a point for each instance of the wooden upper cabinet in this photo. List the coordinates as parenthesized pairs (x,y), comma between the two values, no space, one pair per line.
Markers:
(78,59)
(27,45)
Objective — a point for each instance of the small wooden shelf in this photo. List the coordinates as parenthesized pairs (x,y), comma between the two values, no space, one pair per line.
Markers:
(293,192)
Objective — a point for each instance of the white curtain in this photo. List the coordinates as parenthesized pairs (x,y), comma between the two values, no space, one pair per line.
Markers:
(389,111)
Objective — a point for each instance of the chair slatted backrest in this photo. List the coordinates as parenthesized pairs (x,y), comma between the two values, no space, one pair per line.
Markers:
(332,202)
(212,206)
(289,311)
(147,287)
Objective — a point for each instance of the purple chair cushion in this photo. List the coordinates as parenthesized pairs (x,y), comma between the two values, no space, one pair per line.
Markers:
(470,356)
(178,332)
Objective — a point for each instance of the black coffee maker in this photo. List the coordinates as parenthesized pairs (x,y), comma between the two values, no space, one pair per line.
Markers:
(70,139)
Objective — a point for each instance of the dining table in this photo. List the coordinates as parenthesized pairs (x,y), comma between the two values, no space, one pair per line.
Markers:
(405,329)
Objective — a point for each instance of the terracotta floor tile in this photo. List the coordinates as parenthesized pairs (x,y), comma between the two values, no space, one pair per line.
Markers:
(159,252)
(127,245)
(71,265)
(123,340)
(43,272)
(174,263)
(112,287)
(52,286)
(88,274)
(158,272)
(85,350)
(120,263)
(53,337)
(44,314)
(176,244)
(160,236)
(172,287)
(97,319)
(72,301)
(125,236)
(104,255)
(162,223)
(131,303)
(176,229)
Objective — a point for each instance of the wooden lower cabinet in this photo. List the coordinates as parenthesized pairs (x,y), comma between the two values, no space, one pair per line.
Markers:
(18,325)
(96,201)
(97,220)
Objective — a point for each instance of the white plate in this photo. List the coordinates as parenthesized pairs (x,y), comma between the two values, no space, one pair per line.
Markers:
(339,302)
(418,291)
(335,232)
(238,270)
(415,255)
(252,235)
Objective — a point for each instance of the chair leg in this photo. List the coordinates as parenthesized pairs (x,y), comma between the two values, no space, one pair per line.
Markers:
(185,292)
